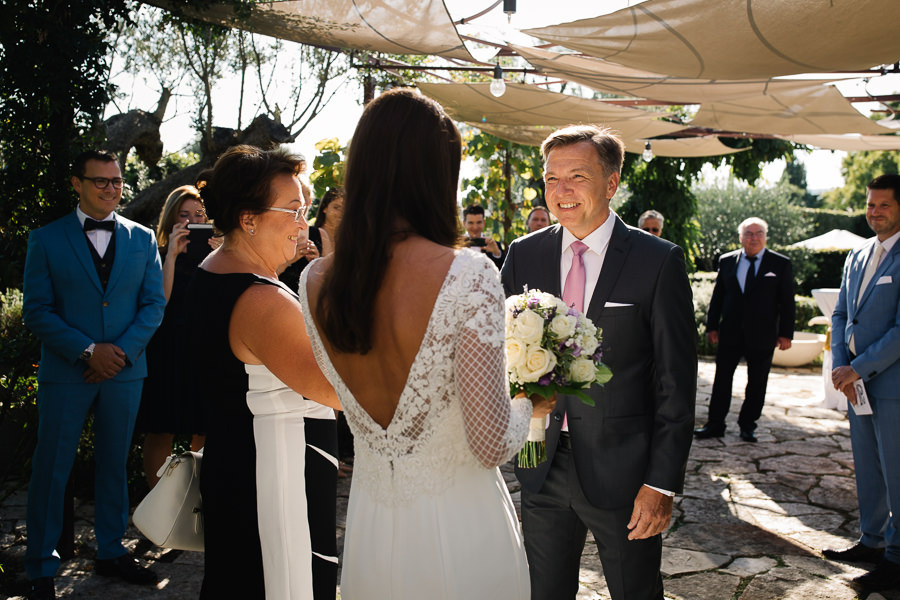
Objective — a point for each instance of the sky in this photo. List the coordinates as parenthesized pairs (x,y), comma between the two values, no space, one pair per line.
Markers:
(339,117)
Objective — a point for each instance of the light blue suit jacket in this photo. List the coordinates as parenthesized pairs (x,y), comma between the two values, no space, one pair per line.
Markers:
(66,306)
(874,321)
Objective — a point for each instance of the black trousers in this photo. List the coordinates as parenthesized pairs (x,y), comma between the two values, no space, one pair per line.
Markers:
(321,504)
(555,522)
(759,361)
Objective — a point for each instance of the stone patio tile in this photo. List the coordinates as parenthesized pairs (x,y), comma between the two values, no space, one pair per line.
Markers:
(702,586)
(678,560)
(747,566)
(795,584)
(819,465)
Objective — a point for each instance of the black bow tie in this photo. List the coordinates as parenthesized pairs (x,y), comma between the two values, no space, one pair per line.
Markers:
(91,224)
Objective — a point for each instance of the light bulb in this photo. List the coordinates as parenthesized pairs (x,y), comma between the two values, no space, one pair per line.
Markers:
(647,154)
(498,86)
(509,7)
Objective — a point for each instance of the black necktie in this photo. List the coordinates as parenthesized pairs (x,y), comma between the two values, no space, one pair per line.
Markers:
(750,276)
(91,224)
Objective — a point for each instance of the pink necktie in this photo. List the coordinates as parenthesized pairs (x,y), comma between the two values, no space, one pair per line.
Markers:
(573,292)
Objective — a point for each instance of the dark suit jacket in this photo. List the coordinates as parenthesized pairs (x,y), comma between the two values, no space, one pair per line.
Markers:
(640,430)
(759,318)
(66,306)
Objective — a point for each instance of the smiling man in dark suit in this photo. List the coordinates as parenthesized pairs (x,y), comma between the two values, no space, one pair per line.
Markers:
(93,295)
(615,467)
(750,313)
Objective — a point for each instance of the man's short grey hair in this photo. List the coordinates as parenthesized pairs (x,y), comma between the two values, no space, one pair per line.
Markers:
(609,147)
(651,214)
(753,221)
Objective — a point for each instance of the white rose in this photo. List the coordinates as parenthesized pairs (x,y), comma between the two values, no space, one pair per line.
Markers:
(588,345)
(563,326)
(528,327)
(538,362)
(515,353)
(561,307)
(581,371)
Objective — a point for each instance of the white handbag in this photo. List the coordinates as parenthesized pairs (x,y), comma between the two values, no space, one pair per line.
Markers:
(170,515)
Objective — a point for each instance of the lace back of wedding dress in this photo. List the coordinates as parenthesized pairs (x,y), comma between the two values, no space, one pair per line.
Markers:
(455,409)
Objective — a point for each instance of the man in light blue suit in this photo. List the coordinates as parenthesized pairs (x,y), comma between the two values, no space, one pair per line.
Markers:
(94,296)
(866,346)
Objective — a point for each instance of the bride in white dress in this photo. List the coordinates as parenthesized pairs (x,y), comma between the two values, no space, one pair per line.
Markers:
(410,332)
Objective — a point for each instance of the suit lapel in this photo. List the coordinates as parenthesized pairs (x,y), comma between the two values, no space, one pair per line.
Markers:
(882,268)
(616,253)
(79,244)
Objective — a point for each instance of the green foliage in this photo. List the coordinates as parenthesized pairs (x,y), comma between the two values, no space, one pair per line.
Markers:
(19,356)
(663,185)
(721,210)
(826,219)
(858,169)
(138,176)
(328,169)
(795,174)
(815,268)
(510,183)
(53,89)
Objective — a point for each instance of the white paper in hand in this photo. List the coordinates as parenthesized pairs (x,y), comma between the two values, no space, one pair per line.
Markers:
(862,406)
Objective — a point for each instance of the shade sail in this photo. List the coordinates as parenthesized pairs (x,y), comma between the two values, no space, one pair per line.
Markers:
(684,147)
(392,26)
(848,143)
(632,131)
(609,77)
(525,105)
(815,109)
(738,39)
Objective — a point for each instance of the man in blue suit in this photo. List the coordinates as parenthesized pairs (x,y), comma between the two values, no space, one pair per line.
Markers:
(94,296)
(866,345)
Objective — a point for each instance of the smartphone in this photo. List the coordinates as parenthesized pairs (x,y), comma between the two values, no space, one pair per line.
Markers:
(479,242)
(198,236)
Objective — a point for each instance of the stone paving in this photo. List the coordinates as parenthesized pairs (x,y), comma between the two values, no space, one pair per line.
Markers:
(749,526)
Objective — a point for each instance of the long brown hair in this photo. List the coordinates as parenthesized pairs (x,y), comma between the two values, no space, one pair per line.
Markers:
(169,213)
(402,167)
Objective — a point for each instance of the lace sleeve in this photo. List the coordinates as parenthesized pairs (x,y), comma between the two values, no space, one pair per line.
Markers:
(495,425)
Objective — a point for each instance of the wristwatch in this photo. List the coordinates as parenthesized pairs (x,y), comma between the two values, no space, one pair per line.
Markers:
(88,352)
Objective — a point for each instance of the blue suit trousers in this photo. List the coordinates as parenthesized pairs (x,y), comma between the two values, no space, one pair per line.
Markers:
(876,458)
(63,408)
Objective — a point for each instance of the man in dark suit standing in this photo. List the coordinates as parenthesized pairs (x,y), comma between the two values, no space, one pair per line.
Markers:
(866,347)
(615,467)
(750,313)
(93,294)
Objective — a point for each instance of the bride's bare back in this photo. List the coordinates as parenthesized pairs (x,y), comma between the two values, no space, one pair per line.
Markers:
(403,307)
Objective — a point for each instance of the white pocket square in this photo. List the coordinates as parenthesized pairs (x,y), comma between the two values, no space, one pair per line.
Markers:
(770,274)
(615,304)
(884,279)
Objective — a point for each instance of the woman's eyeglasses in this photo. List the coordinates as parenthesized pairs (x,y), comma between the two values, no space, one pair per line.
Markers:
(298,214)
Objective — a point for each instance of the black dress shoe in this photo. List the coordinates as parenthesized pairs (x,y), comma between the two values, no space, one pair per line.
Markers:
(127,568)
(859,552)
(709,431)
(42,588)
(748,436)
(885,576)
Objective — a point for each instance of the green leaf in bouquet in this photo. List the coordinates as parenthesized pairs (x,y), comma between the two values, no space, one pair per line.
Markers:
(603,374)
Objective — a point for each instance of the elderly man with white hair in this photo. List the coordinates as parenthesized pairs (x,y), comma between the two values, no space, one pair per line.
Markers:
(750,313)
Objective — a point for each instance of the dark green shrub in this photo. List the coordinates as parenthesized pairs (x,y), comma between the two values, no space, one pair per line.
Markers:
(825,219)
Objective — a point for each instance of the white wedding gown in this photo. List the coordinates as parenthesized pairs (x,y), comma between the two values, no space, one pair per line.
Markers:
(426,517)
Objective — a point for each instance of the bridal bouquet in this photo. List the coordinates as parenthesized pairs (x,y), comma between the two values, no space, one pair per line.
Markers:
(550,349)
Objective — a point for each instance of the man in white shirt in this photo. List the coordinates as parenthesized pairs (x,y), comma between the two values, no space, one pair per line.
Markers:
(93,295)
(615,467)
(473,221)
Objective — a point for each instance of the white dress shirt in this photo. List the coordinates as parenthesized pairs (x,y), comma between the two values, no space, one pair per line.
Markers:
(744,264)
(99,238)
(597,242)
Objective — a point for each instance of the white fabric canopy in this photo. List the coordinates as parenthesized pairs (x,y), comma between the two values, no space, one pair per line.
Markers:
(816,109)
(738,39)
(615,79)
(848,143)
(840,239)
(392,26)
(526,105)
(688,146)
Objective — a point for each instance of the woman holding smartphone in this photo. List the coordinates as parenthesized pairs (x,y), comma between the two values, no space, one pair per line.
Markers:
(164,412)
